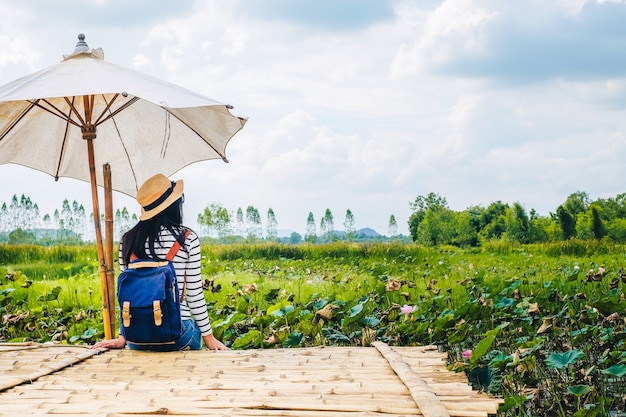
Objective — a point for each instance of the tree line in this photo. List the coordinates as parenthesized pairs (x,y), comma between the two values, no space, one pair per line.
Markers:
(22,222)
(218,222)
(433,223)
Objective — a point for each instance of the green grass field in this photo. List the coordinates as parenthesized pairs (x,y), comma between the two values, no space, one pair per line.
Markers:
(540,325)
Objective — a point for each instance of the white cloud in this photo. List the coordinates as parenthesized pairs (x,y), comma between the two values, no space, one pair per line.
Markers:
(477,100)
(518,41)
(142,62)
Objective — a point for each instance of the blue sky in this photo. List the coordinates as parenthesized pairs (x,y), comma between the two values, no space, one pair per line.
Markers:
(363,104)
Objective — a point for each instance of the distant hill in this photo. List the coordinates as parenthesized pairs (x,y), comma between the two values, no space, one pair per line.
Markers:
(54,234)
(366,232)
(285,232)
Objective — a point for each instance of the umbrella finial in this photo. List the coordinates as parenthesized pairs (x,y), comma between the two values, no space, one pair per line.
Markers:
(81,46)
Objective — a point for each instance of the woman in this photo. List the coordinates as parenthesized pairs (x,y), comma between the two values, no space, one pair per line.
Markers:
(159,226)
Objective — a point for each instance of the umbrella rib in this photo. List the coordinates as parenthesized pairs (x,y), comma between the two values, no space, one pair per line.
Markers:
(67,128)
(110,115)
(75,111)
(199,135)
(107,109)
(10,127)
(57,112)
(112,118)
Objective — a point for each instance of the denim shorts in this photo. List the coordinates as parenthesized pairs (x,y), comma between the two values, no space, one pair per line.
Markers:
(189,340)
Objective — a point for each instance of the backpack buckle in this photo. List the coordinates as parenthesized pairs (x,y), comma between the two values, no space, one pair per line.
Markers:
(158,314)
(126,313)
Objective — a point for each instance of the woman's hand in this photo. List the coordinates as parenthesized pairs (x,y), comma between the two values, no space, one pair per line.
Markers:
(118,343)
(213,344)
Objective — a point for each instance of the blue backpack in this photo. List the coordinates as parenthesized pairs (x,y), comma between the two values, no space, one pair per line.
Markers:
(147,292)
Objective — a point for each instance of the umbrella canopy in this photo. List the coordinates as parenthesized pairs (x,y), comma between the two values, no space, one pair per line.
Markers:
(85,112)
(143,125)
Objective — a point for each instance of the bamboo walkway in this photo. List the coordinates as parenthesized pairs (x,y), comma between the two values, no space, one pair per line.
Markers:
(378,381)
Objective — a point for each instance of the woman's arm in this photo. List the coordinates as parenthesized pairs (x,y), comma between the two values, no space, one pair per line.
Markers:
(213,344)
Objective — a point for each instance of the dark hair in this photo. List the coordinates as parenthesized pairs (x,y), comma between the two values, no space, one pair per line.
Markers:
(134,241)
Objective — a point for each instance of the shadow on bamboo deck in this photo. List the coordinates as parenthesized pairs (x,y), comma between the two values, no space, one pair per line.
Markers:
(379,381)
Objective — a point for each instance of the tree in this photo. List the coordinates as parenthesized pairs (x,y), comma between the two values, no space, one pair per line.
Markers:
(272,225)
(46,221)
(5,225)
(29,213)
(465,233)
(392,230)
(516,222)
(590,224)
(583,226)
(311,232)
(597,224)
(327,226)
(123,222)
(576,203)
(567,222)
(22,213)
(71,221)
(80,219)
(295,238)
(66,216)
(613,208)
(539,228)
(420,207)
(253,223)
(616,230)
(14,214)
(348,225)
(437,227)
(492,221)
(215,218)
(240,223)
(19,236)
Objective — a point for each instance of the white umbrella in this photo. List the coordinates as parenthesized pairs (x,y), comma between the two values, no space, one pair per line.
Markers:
(144,125)
(85,112)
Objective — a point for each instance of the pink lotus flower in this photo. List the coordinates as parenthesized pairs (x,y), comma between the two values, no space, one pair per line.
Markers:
(407,309)
(466,354)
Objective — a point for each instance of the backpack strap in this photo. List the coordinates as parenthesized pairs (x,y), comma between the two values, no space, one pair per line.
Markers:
(176,246)
(170,257)
(147,264)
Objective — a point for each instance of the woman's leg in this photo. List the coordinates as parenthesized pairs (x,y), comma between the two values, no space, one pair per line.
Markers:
(191,338)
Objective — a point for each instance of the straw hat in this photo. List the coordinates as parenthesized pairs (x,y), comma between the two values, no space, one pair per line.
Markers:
(157,194)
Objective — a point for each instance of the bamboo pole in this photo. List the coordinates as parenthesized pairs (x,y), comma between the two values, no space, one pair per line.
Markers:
(48,368)
(108,221)
(424,397)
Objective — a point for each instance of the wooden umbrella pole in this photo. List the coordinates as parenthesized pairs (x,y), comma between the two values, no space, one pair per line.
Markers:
(96,221)
(108,227)
(89,134)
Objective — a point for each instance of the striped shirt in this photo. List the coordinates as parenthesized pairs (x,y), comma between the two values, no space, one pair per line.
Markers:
(194,304)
